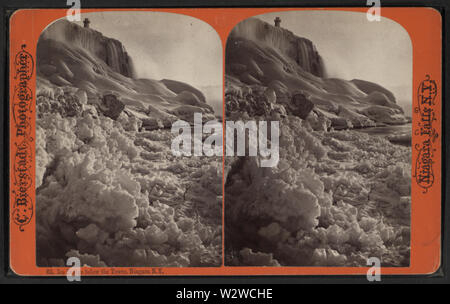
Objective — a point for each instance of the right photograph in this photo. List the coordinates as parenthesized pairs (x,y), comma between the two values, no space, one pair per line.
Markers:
(335,89)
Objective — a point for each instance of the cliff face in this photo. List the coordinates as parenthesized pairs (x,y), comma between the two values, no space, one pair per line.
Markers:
(300,50)
(331,199)
(104,161)
(260,56)
(69,55)
(109,50)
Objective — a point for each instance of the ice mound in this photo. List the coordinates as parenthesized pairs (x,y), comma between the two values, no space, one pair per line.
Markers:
(99,196)
(257,258)
(314,210)
(370,87)
(110,51)
(301,50)
(178,87)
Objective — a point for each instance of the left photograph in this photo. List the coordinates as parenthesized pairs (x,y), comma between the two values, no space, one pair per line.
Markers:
(109,188)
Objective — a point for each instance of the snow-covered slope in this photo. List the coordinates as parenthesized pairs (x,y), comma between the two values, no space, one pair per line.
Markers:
(71,55)
(259,54)
(298,49)
(336,197)
(109,50)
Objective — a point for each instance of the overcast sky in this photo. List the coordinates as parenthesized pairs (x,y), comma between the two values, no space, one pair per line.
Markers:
(353,47)
(165,45)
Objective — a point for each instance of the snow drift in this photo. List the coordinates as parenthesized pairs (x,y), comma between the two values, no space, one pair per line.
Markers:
(258,53)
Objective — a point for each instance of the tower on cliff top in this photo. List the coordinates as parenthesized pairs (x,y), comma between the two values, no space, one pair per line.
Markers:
(86,22)
(277,21)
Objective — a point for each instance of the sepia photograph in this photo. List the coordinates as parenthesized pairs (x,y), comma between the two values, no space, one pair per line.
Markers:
(340,88)
(109,190)
(222,144)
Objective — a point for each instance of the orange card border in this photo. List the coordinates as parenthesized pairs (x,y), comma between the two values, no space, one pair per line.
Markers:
(424,26)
